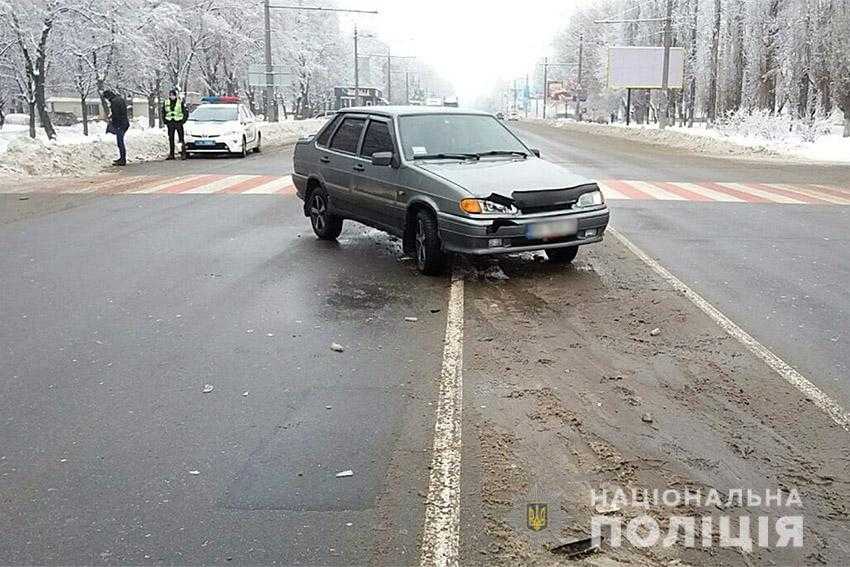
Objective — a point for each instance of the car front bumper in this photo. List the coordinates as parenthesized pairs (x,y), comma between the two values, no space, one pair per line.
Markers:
(221,145)
(506,235)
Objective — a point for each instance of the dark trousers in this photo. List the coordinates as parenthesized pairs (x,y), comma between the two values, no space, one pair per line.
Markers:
(119,138)
(172,128)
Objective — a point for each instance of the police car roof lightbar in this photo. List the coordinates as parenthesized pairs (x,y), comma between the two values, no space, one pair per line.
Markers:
(220,99)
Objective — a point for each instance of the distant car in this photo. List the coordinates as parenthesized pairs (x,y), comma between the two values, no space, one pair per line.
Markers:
(222,125)
(500,115)
(513,116)
(443,180)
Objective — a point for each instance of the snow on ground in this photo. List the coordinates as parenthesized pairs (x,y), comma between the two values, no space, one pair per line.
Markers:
(727,141)
(72,153)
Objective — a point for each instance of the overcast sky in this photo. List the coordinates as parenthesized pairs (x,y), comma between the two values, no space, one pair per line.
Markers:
(472,43)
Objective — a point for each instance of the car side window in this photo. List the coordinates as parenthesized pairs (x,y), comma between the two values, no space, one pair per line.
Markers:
(377,139)
(325,137)
(348,135)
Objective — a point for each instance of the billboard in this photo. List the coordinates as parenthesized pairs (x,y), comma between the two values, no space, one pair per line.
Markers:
(643,67)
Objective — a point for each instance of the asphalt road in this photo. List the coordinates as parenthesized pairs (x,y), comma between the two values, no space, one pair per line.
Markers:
(116,313)
(778,270)
(117,310)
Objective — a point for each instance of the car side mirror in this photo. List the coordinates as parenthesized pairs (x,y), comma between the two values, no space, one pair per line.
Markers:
(536,152)
(383,159)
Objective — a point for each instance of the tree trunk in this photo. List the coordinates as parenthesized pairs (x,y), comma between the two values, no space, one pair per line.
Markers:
(771,65)
(715,63)
(151,110)
(32,118)
(85,108)
(41,107)
(845,107)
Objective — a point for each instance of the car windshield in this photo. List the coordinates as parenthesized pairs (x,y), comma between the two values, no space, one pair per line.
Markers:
(455,134)
(214,113)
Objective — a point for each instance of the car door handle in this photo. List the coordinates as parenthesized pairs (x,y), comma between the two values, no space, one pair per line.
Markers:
(325,159)
(359,167)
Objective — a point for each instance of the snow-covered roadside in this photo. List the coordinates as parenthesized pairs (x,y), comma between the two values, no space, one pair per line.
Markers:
(830,148)
(73,154)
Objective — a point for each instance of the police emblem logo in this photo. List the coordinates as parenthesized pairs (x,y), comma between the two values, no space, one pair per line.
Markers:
(537,516)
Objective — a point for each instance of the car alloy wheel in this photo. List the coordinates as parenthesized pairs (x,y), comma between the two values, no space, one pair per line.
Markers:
(318,213)
(421,248)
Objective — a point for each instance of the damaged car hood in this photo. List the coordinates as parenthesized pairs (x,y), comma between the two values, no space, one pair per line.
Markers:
(503,177)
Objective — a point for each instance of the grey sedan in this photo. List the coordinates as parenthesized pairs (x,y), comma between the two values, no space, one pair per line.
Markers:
(444,180)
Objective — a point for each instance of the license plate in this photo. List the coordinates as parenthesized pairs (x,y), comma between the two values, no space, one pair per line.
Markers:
(550,230)
(204,143)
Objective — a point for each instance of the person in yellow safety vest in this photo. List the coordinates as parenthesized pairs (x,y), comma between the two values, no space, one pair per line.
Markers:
(174,115)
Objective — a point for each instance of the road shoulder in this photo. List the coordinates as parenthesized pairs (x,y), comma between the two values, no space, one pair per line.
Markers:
(571,391)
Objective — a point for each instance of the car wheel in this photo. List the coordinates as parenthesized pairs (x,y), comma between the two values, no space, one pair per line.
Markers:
(430,258)
(327,226)
(258,148)
(244,152)
(562,255)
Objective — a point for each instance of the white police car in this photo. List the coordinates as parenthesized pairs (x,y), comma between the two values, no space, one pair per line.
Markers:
(222,124)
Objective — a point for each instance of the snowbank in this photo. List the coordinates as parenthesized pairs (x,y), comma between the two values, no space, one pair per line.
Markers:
(77,155)
(727,141)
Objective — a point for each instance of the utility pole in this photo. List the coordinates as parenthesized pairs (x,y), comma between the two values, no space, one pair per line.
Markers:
(356,71)
(545,84)
(267,7)
(389,76)
(514,95)
(665,78)
(407,87)
(270,103)
(525,98)
(580,58)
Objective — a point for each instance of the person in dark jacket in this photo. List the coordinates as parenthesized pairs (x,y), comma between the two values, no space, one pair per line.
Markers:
(174,115)
(119,123)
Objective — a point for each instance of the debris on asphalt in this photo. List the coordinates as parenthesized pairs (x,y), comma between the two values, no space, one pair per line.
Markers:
(329,407)
(244,394)
(655,332)
(23,198)
(607,508)
(344,474)
(208,388)
(249,331)
(577,547)
(436,310)
(336,347)
(647,418)
(411,319)
(194,473)
(495,273)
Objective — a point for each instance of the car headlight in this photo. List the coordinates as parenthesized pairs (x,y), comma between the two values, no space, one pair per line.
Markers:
(485,207)
(590,199)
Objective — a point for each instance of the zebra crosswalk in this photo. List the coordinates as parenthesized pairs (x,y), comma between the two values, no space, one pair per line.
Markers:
(613,189)
(726,192)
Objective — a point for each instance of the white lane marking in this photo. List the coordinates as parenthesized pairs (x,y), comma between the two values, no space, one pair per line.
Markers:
(441,532)
(838,414)
(270,187)
(810,191)
(219,185)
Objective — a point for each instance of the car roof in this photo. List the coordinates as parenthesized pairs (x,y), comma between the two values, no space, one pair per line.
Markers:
(392,111)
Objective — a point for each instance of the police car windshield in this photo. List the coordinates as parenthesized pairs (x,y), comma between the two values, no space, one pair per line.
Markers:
(214,113)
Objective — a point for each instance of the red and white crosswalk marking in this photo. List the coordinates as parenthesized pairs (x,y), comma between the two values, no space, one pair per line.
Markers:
(159,185)
(728,192)
(614,189)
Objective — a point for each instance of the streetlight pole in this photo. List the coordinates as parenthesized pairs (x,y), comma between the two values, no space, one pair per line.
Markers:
(580,60)
(665,79)
(545,84)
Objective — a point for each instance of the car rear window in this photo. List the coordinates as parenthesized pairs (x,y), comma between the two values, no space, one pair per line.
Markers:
(348,134)
(325,136)
(377,139)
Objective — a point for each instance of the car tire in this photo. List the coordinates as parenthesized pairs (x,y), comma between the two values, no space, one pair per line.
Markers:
(430,258)
(562,255)
(244,152)
(258,148)
(327,226)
